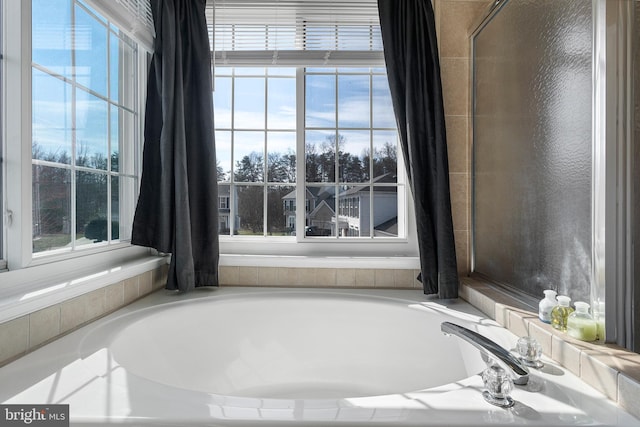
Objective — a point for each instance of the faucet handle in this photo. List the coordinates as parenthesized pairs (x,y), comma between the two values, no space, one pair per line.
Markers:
(530,352)
(498,384)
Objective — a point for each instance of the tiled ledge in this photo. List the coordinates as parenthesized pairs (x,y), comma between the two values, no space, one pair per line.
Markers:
(26,333)
(608,368)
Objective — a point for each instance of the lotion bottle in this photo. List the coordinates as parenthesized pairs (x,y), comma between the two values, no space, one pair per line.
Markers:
(560,313)
(546,305)
(580,324)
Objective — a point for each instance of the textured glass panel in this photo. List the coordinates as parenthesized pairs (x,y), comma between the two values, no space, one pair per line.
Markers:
(532,130)
(91,207)
(51,195)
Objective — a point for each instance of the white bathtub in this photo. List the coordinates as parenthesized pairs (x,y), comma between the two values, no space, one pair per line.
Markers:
(281,357)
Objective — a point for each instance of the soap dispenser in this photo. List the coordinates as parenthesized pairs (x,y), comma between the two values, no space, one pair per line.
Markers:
(560,313)
(546,305)
(580,324)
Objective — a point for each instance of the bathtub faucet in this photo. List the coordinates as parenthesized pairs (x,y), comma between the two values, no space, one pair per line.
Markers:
(490,349)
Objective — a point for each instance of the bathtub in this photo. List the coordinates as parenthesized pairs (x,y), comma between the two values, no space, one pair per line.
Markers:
(283,357)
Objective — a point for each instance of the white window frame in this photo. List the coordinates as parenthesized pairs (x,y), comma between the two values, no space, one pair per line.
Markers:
(18,127)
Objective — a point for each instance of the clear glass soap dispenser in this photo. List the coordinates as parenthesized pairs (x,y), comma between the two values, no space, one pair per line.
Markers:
(546,305)
(561,312)
(580,324)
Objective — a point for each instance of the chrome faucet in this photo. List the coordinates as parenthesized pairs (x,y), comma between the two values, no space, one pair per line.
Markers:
(490,350)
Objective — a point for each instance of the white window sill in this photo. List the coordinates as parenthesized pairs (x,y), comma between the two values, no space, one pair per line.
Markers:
(31,289)
(298,261)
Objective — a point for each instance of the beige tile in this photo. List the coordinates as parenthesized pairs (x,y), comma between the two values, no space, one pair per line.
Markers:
(455,86)
(502,314)
(566,354)
(326,277)
(267,276)
(403,278)
(131,292)
(459,200)
(44,325)
(365,278)
(629,394)
(600,376)
(248,276)
(383,278)
(462,252)
(478,300)
(542,335)
(307,277)
(145,283)
(114,296)
(228,275)
(518,324)
(416,283)
(287,276)
(160,277)
(14,336)
(456,21)
(457,143)
(73,313)
(346,277)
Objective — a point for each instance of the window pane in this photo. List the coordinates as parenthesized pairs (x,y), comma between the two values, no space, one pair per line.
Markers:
(91,131)
(289,210)
(281,104)
(91,208)
(353,211)
(115,208)
(90,42)
(353,101)
(52,122)
(385,211)
(383,116)
(250,219)
(354,149)
(249,156)
(222,103)
(320,158)
(224,209)
(122,57)
(281,157)
(249,103)
(223,155)
(320,211)
(385,156)
(51,198)
(52,36)
(320,105)
(276,218)
(281,71)
(126,189)
(123,139)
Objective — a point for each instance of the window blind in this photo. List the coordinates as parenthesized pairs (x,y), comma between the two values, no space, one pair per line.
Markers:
(295,32)
(134,17)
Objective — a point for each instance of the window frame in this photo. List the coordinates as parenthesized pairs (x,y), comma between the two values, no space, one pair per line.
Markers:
(18,127)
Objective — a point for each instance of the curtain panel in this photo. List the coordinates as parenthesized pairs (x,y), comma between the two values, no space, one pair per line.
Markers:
(413,69)
(177,209)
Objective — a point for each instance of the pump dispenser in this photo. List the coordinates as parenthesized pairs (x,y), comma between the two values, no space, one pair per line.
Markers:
(546,305)
(561,312)
(580,324)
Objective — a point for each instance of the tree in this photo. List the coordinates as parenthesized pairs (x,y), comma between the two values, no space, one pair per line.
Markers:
(250,168)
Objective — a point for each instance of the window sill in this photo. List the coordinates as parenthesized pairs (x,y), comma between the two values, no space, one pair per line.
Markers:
(33,288)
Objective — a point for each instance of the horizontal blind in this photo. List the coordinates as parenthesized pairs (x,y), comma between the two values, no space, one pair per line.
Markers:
(300,32)
(134,17)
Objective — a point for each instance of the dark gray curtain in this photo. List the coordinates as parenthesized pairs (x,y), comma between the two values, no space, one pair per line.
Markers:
(177,208)
(413,70)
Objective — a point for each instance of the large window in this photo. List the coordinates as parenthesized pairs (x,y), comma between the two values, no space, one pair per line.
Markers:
(84,140)
(345,152)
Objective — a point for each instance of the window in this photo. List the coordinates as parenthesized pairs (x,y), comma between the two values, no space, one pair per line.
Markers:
(3,262)
(305,133)
(84,128)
